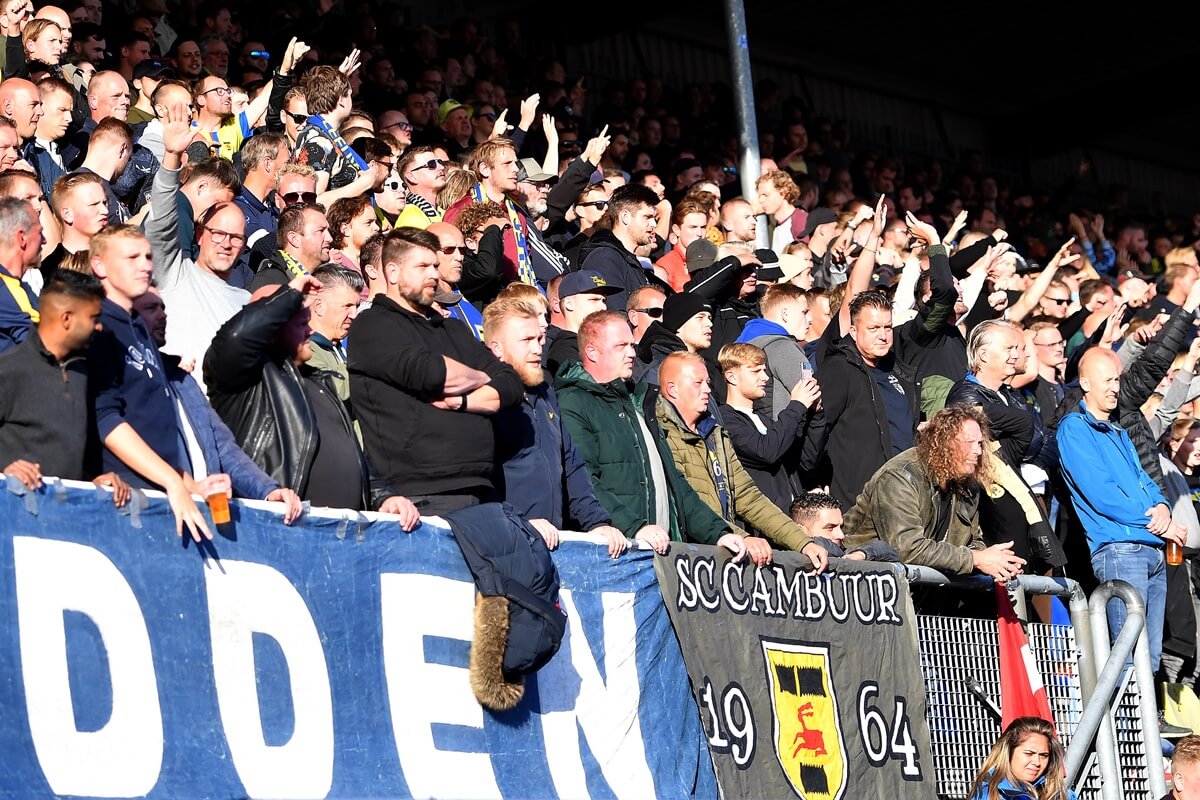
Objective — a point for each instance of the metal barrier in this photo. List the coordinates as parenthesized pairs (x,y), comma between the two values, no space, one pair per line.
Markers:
(960,665)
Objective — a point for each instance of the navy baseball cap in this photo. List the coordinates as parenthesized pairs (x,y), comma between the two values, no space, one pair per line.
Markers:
(585,282)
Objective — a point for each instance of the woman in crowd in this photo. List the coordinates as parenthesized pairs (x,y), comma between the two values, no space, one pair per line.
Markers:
(1026,763)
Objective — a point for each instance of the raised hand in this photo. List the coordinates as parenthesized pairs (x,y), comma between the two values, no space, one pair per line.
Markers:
(596,147)
(177,129)
(957,226)
(501,126)
(291,57)
(924,232)
(1064,257)
(350,63)
(529,110)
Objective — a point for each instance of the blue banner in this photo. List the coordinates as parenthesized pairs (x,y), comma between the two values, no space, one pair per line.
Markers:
(325,659)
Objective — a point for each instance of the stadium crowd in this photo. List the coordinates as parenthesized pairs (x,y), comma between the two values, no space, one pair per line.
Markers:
(413,270)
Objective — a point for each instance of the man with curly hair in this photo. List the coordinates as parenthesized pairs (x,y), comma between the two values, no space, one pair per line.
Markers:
(925,501)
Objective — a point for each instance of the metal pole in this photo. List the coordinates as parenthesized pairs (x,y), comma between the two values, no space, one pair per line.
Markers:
(1095,718)
(1142,671)
(743,92)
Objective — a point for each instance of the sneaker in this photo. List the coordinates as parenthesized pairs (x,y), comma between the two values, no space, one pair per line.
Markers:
(1168,731)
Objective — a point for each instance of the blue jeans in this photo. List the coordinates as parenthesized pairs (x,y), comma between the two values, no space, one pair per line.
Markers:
(1145,568)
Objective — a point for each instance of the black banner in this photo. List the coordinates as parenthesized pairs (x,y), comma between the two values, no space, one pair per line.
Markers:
(808,685)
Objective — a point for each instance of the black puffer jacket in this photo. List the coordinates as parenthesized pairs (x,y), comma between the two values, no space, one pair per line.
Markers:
(604,253)
(1015,425)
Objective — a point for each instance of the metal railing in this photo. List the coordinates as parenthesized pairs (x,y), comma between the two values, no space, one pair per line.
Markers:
(960,666)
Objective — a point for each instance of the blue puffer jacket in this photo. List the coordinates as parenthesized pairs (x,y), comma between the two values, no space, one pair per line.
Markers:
(1010,792)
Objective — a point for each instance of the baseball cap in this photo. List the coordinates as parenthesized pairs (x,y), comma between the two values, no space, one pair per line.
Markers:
(150,68)
(818,216)
(585,281)
(530,170)
(790,266)
(446,107)
(700,254)
(1132,272)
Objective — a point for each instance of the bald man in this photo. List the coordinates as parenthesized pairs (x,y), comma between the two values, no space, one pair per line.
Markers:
(21,102)
(451,253)
(107,96)
(1123,511)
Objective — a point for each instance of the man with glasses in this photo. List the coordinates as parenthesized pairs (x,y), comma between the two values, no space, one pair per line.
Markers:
(645,306)
(425,175)
(304,242)
(451,254)
(396,124)
(198,291)
(1056,302)
(589,209)
(1047,390)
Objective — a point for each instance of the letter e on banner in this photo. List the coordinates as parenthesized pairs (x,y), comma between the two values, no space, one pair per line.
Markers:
(422,694)
(123,758)
(243,599)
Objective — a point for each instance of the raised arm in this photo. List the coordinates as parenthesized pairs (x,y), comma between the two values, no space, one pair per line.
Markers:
(1028,301)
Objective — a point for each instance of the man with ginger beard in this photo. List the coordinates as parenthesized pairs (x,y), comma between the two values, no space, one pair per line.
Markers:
(537,465)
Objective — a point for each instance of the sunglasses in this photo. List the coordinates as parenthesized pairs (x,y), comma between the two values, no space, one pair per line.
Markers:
(299,197)
(299,119)
(490,116)
(599,204)
(259,54)
(653,312)
(431,164)
(449,251)
(392,184)
(1058,301)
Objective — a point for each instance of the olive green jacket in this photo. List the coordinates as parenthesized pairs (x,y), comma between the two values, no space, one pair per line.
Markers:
(899,505)
(746,501)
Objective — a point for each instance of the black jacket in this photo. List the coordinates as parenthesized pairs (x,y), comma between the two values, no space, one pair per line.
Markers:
(931,343)
(396,370)
(797,439)
(1015,425)
(860,440)
(269,270)
(605,254)
(483,271)
(44,409)
(261,397)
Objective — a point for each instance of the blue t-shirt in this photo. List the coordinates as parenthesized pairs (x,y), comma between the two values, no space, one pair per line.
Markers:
(899,412)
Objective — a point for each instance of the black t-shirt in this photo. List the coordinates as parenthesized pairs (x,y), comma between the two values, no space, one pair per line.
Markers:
(335,480)
(899,412)
(943,524)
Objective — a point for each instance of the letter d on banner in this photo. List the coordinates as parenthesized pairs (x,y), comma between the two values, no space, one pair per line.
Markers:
(123,758)
(244,599)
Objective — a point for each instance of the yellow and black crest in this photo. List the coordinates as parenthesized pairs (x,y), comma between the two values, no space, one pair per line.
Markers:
(808,734)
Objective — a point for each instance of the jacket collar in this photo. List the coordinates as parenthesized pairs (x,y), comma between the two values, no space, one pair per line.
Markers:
(1102,425)
(385,302)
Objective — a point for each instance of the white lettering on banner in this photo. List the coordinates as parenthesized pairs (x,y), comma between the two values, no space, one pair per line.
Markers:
(123,758)
(243,599)
(785,591)
(421,694)
(606,714)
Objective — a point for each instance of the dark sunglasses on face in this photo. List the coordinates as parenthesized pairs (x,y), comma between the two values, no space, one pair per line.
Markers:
(299,119)
(299,197)
(449,251)
(490,116)
(599,204)
(431,164)
(1059,301)
(653,312)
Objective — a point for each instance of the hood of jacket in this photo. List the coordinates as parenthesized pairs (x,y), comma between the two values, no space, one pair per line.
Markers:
(658,340)
(761,327)
(605,238)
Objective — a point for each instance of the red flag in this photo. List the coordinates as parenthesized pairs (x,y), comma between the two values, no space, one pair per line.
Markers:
(1021,691)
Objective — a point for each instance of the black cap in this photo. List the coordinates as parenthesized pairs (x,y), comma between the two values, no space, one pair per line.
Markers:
(585,282)
(151,68)
(700,254)
(679,308)
(818,216)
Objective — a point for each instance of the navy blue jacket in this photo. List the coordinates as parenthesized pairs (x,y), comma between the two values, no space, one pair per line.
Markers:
(127,383)
(220,448)
(15,324)
(539,471)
